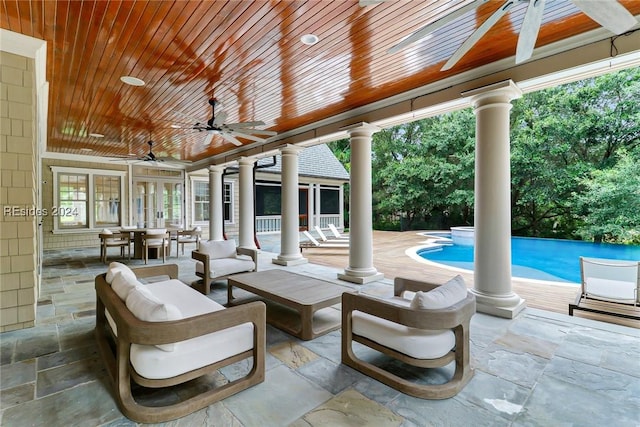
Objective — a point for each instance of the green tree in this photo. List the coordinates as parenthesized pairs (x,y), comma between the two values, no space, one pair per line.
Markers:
(610,203)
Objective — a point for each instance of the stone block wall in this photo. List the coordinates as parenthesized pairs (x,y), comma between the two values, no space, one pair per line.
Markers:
(18,196)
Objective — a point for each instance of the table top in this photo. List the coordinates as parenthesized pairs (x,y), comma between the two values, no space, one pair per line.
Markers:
(293,287)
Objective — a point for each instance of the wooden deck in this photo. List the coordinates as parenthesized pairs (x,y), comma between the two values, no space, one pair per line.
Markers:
(390,259)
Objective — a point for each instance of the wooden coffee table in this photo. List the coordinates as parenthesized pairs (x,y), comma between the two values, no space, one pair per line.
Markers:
(297,304)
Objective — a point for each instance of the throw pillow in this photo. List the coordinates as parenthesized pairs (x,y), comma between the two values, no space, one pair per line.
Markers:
(446,295)
(106,231)
(123,283)
(218,248)
(145,306)
(114,267)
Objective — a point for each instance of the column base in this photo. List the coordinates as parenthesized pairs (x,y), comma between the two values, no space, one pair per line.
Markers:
(507,307)
(288,262)
(360,277)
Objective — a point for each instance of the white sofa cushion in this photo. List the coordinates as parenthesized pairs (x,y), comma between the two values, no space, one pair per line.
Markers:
(226,266)
(124,282)
(146,306)
(446,295)
(114,267)
(414,342)
(193,353)
(218,248)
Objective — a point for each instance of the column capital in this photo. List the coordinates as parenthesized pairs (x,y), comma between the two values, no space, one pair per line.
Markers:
(291,149)
(504,91)
(216,169)
(247,161)
(362,128)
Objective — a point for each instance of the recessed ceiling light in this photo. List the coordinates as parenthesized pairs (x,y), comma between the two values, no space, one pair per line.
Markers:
(309,39)
(96,135)
(176,126)
(133,81)
(87,150)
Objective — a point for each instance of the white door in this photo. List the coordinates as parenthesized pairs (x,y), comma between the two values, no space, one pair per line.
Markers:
(157,203)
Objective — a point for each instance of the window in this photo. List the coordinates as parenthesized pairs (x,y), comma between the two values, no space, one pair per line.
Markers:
(268,200)
(86,199)
(329,201)
(72,205)
(107,200)
(201,201)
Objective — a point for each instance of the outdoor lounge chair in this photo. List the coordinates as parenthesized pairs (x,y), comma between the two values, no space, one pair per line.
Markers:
(336,233)
(324,238)
(219,259)
(428,330)
(313,243)
(610,287)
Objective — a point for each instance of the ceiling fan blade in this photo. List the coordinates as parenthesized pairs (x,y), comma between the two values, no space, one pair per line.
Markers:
(208,138)
(219,118)
(232,139)
(246,124)
(608,13)
(365,3)
(428,29)
(477,35)
(529,30)
(255,131)
(172,160)
(247,136)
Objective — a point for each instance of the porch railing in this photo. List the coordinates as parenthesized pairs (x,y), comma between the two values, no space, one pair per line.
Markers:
(273,223)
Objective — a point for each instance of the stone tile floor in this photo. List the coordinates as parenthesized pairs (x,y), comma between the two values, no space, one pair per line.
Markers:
(540,369)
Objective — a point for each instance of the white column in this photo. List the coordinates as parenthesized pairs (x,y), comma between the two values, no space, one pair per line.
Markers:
(311,208)
(290,210)
(247,221)
(492,222)
(361,269)
(216,213)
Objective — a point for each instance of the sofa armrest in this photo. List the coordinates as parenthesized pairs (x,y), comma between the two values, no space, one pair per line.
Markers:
(445,318)
(170,270)
(199,256)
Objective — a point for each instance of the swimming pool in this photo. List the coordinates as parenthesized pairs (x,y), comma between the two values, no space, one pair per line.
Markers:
(535,258)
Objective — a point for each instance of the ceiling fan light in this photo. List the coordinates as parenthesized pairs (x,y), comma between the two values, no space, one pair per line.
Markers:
(309,39)
(133,81)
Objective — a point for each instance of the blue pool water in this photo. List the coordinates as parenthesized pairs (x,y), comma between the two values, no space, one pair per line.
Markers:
(540,259)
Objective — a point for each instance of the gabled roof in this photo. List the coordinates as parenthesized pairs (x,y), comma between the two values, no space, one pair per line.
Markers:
(316,161)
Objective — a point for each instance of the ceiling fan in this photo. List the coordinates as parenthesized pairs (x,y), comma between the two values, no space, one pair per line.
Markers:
(231,131)
(151,157)
(608,13)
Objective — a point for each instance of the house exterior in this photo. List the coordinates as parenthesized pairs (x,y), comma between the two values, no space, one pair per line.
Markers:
(321,192)
(93,196)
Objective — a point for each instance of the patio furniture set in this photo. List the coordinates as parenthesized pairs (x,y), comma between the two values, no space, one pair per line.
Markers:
(147,243)
(165,332)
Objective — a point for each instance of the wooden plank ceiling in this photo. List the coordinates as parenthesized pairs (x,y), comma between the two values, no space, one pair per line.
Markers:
(248,55)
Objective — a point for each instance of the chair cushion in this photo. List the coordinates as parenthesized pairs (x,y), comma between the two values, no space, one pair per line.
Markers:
(218,248)
(123,283)
(414,342)
(193,353)
(446,295)
(106,231)
(226,266)
(615,290)
(114,267)
(146,306)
